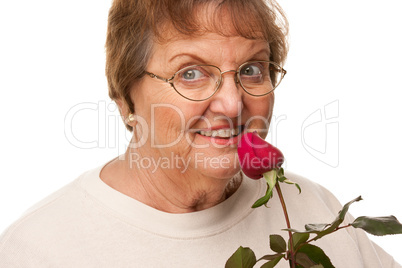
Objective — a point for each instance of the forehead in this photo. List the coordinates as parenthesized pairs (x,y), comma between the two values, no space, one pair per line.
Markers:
(227,19)
(216,39)
(210,48)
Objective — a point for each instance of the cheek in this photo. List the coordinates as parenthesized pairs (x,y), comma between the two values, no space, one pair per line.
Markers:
(171,122)
(167,122)
(259,112)
(261,105)
(270,106)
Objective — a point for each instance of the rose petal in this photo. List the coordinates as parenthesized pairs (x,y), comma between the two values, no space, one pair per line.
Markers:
(257,156)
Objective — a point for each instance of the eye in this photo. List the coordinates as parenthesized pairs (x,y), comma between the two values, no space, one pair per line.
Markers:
(251,69)
(191,74)
(194,77)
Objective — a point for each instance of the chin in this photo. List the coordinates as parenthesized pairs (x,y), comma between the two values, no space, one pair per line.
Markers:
(223,173)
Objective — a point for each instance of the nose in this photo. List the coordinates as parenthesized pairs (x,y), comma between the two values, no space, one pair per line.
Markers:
(228,99)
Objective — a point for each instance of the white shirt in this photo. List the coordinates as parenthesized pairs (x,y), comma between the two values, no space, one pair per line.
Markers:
(89,224)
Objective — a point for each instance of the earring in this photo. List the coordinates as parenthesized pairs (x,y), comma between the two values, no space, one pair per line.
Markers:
(130,118)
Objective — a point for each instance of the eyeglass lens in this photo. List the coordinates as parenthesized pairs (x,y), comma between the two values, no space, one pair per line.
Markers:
(199,82)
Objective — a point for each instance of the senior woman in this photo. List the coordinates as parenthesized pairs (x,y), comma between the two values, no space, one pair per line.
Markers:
(189,77)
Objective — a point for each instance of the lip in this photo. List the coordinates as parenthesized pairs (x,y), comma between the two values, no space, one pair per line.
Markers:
(214,128)
(222,141)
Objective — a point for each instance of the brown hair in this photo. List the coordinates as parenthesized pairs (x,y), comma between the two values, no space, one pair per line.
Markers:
(134,25)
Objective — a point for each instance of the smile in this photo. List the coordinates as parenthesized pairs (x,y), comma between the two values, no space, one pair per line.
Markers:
(222,133)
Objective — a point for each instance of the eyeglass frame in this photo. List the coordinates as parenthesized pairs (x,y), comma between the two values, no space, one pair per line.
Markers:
(219,82)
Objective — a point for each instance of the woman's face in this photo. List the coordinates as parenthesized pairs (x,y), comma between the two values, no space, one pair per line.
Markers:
(188,137)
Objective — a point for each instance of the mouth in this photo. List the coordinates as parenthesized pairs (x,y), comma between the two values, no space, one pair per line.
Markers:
(223,133)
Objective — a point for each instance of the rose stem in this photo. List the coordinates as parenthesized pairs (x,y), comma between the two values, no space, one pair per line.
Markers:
(285,211)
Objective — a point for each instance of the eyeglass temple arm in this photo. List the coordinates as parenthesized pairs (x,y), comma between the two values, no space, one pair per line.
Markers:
(158,77)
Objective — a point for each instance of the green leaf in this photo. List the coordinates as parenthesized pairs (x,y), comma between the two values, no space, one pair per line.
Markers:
(298,231)
(281,172)
(318,227)
(285,180)
(272,263)
(345,208)
(281,179)
(298,187)
(289,181)
(270,257)
(379,225)
(317,266)
(262,201)
(299,238)
(242,258)
(339,219)
(322,229)
(277,243)
(311,231)
(303,260)
(270,177)
(316,255)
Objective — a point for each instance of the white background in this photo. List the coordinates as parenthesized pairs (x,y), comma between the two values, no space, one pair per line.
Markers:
(344,55)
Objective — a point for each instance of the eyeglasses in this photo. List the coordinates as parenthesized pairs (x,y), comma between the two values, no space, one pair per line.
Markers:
(201,82)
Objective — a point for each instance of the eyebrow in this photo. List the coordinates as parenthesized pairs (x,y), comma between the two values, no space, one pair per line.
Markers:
(190,55)
(255,56)
(266,51)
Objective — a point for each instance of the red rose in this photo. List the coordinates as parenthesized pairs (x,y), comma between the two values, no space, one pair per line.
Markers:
(257,156)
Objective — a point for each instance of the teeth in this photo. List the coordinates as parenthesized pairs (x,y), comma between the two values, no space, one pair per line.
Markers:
(222,133)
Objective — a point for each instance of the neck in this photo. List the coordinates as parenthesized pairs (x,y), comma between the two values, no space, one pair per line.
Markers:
(168,190)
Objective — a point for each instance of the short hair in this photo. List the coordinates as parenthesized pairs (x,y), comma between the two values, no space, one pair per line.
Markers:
(134,25)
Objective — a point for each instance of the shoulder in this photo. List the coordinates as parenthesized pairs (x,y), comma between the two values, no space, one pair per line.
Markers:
(314,204)
(312,194)
(319,205)
(313,191)
(47,216)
